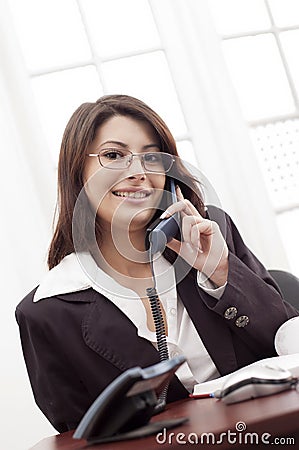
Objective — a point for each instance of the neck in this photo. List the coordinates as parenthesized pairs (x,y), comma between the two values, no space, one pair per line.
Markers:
(123,252)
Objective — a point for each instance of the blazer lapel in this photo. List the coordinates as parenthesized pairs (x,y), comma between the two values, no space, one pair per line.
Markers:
(110,333)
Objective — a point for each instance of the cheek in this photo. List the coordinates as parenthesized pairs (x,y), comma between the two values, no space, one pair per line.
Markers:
(98,184)
(159,183)
(157,180)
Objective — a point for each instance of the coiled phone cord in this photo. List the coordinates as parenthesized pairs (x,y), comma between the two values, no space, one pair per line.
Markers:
(159,322)
(159,329)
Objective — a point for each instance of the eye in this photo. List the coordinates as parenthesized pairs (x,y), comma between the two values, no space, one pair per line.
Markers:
(152,158)
(112,153)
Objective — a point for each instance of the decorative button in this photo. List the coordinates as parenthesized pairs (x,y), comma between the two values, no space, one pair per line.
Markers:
(230,313)
(242,321)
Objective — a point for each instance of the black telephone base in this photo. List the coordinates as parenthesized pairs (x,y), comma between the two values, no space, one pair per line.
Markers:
(146,430)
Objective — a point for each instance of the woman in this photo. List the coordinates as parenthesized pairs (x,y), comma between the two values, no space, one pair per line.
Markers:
(90,319)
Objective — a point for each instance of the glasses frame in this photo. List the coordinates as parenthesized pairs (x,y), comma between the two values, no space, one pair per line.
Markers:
(141,157)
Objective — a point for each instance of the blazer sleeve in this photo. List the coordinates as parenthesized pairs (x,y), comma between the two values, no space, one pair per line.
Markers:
(57,388)
(251,305)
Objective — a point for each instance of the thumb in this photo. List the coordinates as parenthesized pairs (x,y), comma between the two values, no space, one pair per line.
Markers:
(174,245)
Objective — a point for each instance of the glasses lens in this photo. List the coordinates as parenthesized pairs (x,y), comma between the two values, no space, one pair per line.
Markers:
(114,158)
(157,162)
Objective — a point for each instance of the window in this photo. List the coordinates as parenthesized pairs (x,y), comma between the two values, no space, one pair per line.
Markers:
(167,54)
(103,49)
(260,45)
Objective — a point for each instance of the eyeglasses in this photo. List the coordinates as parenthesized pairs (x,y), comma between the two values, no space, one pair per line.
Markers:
(119,159)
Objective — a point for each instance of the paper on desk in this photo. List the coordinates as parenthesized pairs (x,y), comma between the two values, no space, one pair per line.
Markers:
(287,362)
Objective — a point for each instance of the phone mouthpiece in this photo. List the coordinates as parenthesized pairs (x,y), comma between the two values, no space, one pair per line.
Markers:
(161,232)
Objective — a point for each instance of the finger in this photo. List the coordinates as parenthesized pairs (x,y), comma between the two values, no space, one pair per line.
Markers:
(179,206)
(207,227)
(187,224)
(181,197)
(195,237)
(183,206)
(179,193)
(175,245)
(185,250)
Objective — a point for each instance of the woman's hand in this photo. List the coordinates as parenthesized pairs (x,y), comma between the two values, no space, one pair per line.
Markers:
(203,245)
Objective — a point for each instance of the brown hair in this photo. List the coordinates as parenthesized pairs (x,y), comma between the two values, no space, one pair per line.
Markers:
(79,133)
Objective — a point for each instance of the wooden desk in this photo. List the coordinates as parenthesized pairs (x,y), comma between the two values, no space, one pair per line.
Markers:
(277,415)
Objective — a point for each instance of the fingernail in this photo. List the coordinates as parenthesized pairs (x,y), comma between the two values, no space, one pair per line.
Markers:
(164,215)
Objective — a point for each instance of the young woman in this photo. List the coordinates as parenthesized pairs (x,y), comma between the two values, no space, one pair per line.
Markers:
(90,318)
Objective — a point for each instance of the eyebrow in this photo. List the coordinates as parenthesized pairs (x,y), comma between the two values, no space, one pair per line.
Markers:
(123,145)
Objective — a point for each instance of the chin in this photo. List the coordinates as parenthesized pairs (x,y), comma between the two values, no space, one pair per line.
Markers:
(140,221)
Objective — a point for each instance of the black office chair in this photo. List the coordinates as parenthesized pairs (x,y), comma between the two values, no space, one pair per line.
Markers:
(288,284)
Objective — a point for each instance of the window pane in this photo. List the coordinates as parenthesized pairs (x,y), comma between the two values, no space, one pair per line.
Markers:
(186,152)
(290,43)
(147,77)
(234,16)
(277,149)
(50,32)
(258,75)
(119,26)
(288,224)
(285,12)
(58,95)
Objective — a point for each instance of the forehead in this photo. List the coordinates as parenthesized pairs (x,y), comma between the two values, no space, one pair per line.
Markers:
(128,130)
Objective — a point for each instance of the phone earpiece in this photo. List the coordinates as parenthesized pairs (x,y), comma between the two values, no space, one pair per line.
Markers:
(163,230)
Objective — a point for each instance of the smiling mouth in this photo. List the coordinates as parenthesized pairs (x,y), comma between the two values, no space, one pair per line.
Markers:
(130,194)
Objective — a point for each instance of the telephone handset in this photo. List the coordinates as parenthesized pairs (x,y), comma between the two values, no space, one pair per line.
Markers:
(158,234)
(162,231)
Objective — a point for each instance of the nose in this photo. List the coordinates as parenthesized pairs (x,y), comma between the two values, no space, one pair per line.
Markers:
(136,169)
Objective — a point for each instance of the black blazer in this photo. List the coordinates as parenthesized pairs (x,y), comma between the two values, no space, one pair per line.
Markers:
(75,344)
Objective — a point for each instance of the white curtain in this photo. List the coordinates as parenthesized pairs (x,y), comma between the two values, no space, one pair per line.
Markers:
(27,187)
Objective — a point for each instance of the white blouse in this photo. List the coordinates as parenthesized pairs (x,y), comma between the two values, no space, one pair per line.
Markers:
(79,271)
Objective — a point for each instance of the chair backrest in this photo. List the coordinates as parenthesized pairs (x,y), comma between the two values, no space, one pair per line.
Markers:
(288,284)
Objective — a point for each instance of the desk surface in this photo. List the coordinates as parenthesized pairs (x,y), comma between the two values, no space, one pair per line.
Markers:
(268,418)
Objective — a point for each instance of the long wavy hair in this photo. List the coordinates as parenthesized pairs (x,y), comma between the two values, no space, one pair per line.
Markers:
(78,135)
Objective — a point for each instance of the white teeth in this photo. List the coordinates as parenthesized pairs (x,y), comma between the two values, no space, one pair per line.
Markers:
(138,194)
